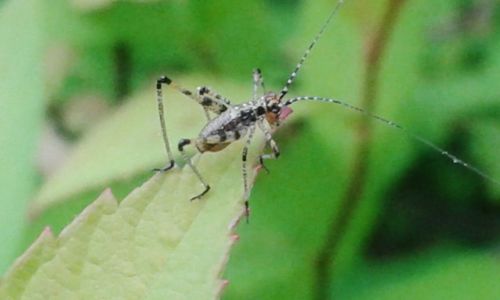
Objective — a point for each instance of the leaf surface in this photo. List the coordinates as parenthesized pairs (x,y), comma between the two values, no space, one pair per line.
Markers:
(156,244)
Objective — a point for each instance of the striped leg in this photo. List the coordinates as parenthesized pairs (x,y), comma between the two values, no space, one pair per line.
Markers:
(218,104)
(274,147)
(159,99)
(214,142)
(181,145)
(244,170)
(211,100)
(258,81)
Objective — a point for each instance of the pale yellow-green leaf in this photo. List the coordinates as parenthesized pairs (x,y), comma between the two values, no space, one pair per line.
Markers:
(156,244)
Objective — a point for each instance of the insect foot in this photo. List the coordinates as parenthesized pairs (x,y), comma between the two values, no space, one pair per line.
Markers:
(207,188)
(167,167)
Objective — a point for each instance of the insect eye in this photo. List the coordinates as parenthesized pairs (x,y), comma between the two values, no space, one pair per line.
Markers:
(275,108)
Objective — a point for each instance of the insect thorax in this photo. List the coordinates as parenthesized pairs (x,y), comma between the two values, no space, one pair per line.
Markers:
(234,123)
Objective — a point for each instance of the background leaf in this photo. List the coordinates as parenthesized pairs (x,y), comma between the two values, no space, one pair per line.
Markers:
(21,104)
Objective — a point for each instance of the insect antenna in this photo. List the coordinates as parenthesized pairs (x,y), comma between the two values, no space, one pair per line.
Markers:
(292,76)
(392,124)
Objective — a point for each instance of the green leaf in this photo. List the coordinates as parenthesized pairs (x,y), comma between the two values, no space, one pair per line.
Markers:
(439,274)
(21,106)
(485,147)
(91,5)
(158,37)
(156,244)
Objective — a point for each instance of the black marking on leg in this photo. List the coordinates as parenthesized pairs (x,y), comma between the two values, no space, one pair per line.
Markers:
(244,155)
(206,101)
(247,211)
(207,188)
(182,143)
(261,162)
(163,79)
(203,90)
(186,92)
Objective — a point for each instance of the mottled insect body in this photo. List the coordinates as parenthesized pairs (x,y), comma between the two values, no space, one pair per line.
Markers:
(265,112)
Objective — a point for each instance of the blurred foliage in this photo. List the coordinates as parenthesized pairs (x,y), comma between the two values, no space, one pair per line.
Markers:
(424,227)
(21,105)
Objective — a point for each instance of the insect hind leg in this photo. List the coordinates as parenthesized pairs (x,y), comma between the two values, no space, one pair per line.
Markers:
(218,104)
(181,145)
(244,170)
(159,98)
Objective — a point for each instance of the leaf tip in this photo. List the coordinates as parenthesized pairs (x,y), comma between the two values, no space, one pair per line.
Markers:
(236,220)
(105,204)
(37,249)
(46,233)
(234,238)
(222,285)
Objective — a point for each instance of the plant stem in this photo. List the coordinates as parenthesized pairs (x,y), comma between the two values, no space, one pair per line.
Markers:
(350,201)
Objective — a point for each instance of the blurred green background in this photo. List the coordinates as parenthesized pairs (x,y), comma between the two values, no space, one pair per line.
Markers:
(352,209)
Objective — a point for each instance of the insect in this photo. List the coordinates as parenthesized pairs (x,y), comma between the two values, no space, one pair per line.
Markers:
(235,122)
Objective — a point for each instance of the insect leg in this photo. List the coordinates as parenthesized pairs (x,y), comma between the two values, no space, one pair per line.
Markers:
(274,147)
(181,145)
(258,81)
(244,170)
(212,101)
(159,99)
(222,105)
(207,114)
